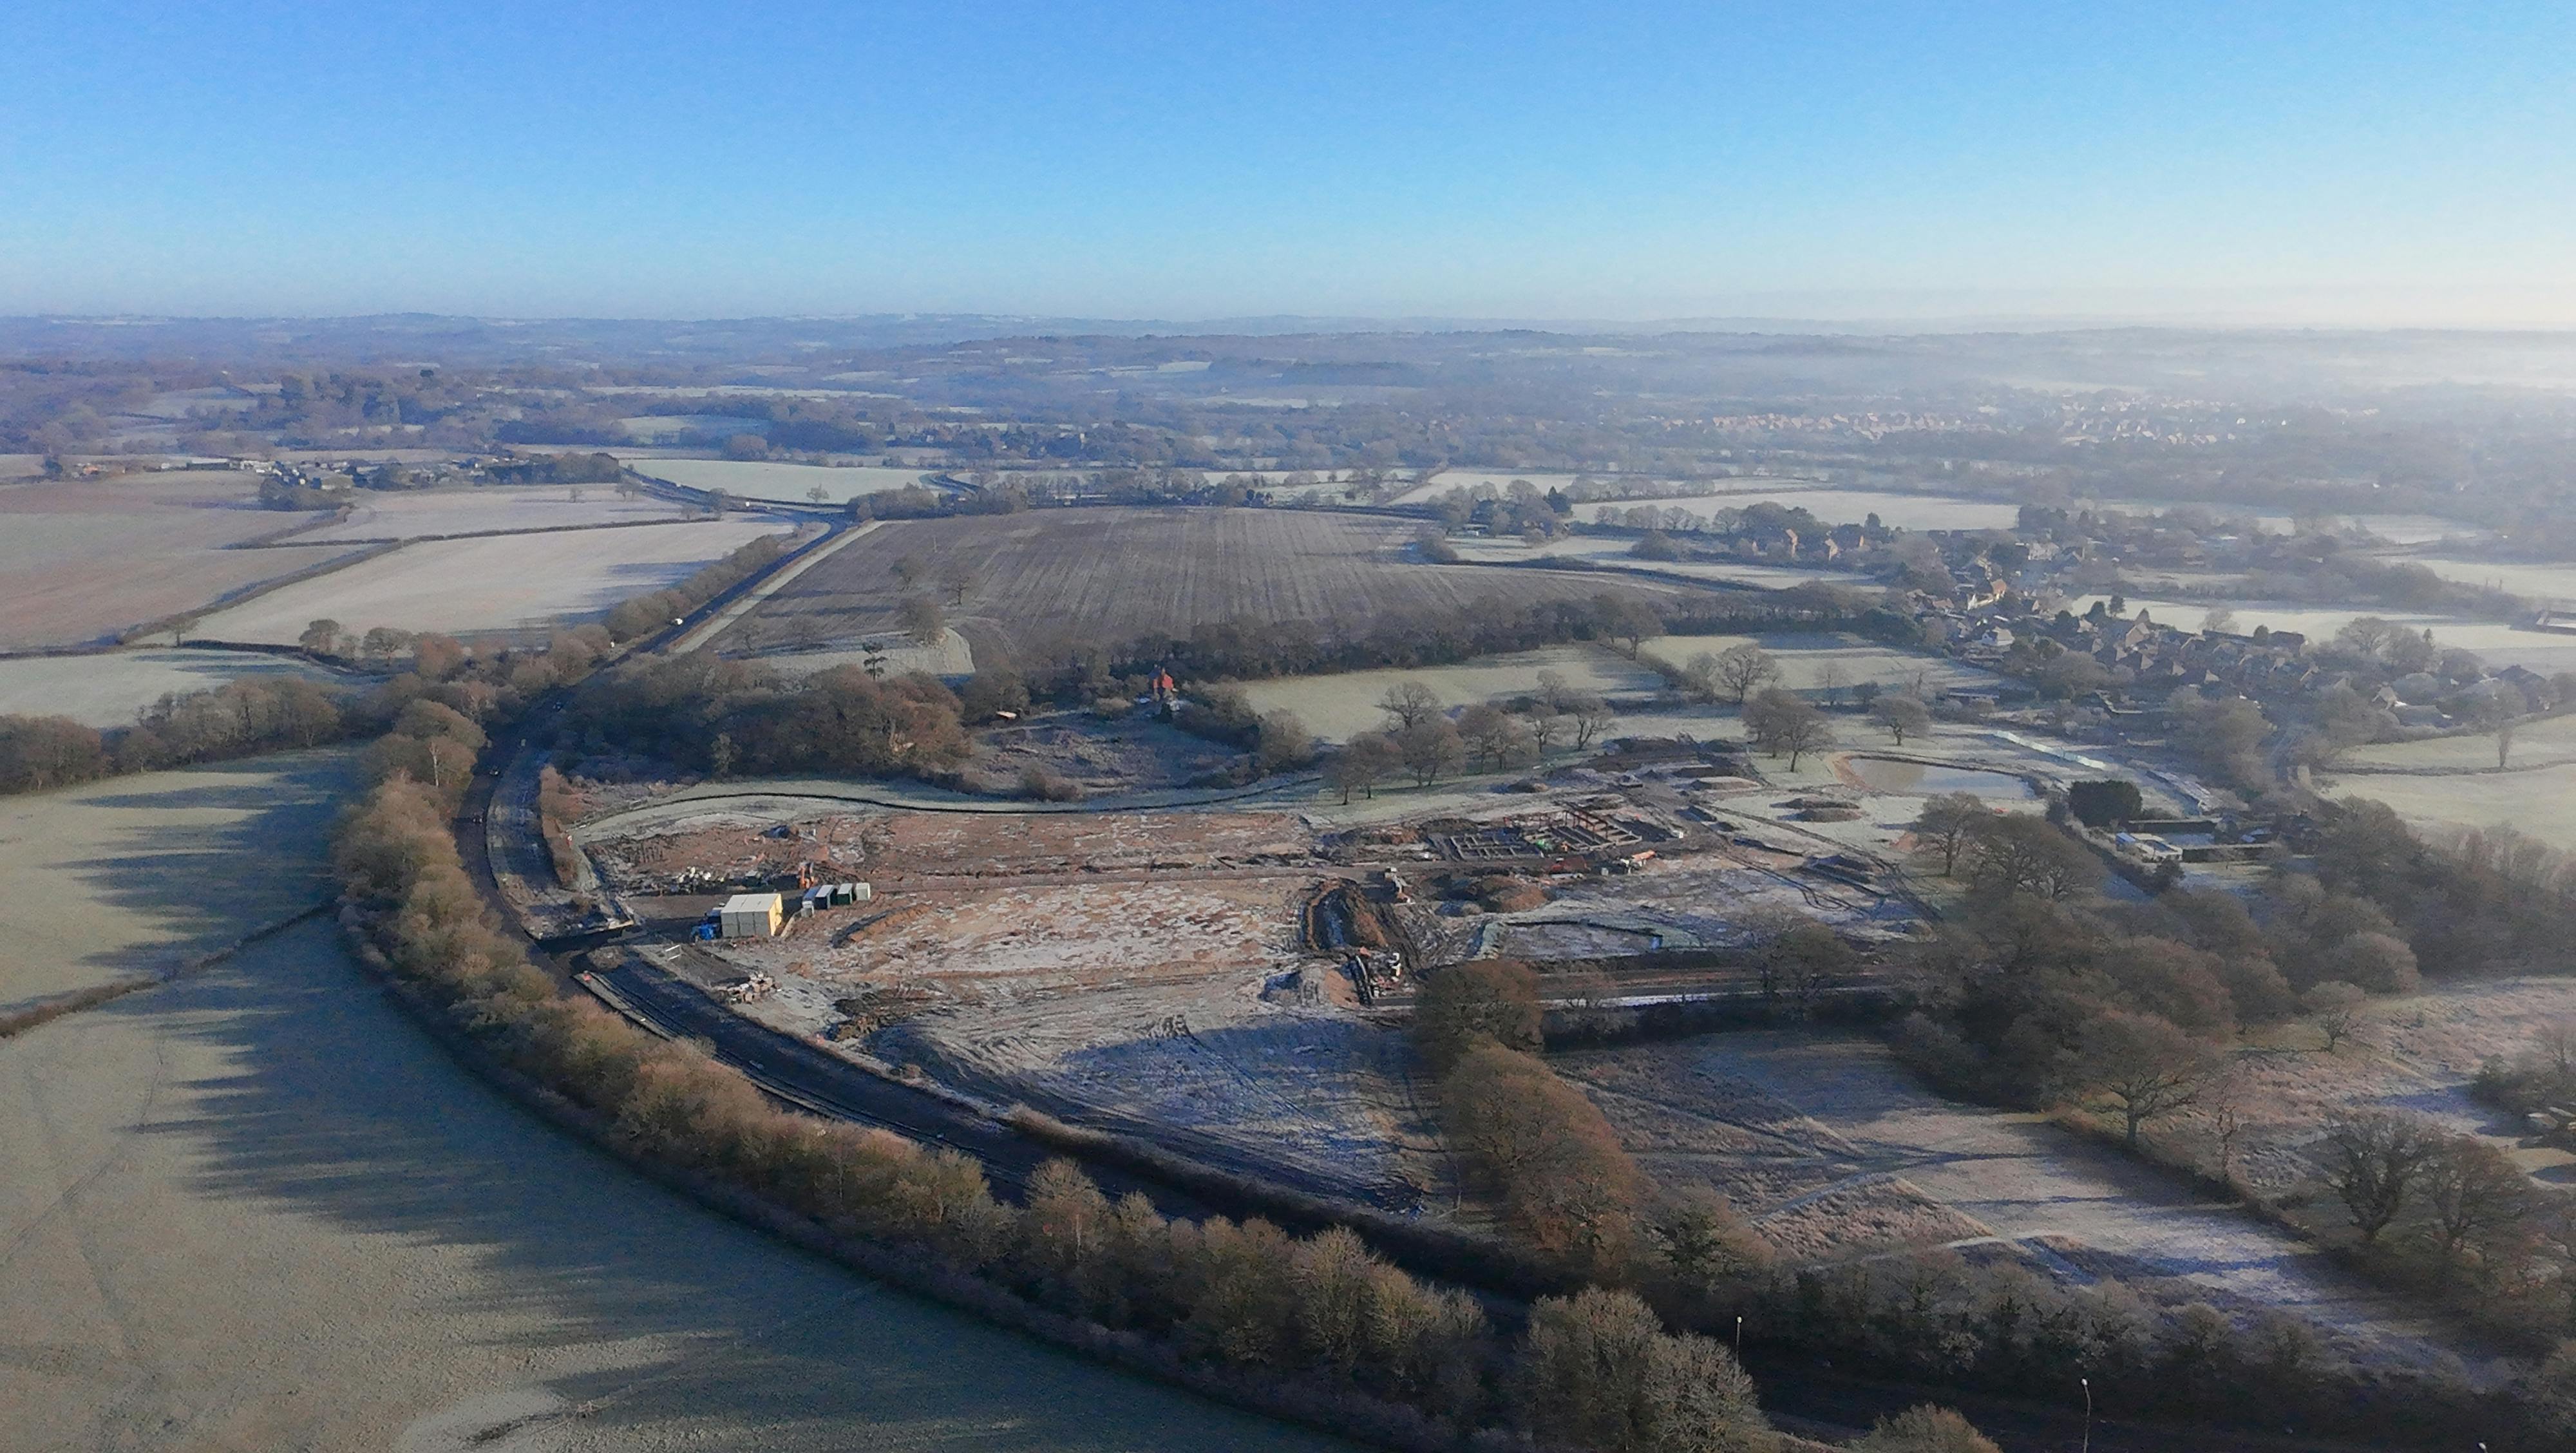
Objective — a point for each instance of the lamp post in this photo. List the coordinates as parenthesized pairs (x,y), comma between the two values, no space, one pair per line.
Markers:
(1739,1346)
(2087,1384)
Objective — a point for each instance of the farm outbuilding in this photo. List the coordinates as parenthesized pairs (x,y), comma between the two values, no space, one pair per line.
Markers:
(751,915)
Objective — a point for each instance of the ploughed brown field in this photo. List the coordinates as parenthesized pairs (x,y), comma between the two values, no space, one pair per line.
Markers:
(1111,575)
(83,559)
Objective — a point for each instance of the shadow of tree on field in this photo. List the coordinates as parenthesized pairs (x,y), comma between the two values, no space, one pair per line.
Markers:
(338,1108)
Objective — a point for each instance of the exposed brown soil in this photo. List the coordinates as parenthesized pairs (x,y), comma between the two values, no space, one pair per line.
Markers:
(81,560)
(1116,574)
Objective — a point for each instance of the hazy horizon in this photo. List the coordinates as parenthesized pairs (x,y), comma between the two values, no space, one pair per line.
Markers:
(2292,164)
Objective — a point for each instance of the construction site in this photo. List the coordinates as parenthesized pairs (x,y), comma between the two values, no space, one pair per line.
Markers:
(1228,981)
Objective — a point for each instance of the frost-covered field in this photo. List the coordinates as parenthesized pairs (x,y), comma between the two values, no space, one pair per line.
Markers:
(81,560)
(759,479)
(2545,581)
(1840,506)
(503,582)
(257,1209)
(1611,553)
(2540,801)
(1782,1122)
(1807,658)
(892,654)
(135,875)
(108,690)
(392,516)
(1343,705)
(2546,742)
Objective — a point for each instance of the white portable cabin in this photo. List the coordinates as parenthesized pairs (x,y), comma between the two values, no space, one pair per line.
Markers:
(752,915)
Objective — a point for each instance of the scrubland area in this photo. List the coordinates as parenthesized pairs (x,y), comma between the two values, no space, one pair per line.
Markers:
(1344,704)
(1834,1150)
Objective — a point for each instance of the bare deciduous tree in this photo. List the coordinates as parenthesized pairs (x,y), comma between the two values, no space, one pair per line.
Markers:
(1902,716)
(2471,1192)
(1408,704)
(2373,1160)
(1739,671)
(2146,1066)
(1945,824)
(2336,1008)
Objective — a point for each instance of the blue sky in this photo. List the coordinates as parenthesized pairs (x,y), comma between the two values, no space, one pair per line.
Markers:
(2336,162)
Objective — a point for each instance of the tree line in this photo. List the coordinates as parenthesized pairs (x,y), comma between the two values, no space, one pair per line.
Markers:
(238,719)
(1320,1324)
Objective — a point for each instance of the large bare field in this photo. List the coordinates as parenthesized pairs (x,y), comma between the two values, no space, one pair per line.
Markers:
(2540,801)
(1114,574)
(1832,1147)
(2547,742)
(2541,581)
(137,875)
(1139,971)
(1805,659)
(504,582)
(1609,553)
(385,515)
(110,689)
(759,479)
(1343,705)
(257,1209)
(81,560)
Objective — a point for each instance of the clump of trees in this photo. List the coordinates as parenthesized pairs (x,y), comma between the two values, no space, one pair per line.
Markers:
(1537,1143)
(239,719)
(2543,1074)
(2038,992)
(41,752)
(717,716)
(2465,904)
(558,468)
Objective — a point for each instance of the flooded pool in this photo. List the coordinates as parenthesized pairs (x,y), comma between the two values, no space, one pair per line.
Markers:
(1886,774)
